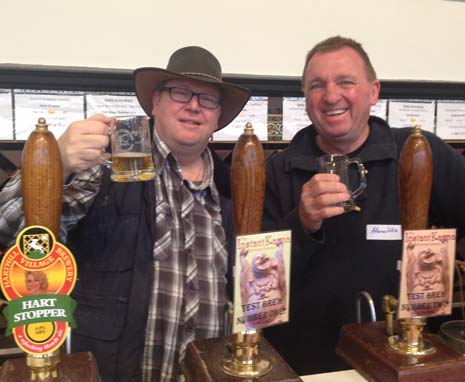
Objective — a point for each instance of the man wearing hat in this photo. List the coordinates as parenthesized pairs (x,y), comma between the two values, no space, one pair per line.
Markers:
(152,256)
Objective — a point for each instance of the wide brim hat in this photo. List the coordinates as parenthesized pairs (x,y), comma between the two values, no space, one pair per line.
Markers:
(193,63)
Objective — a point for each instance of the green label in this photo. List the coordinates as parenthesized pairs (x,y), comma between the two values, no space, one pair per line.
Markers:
(40,308)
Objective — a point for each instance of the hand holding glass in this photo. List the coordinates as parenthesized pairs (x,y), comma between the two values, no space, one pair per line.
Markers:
(131,149)
(339,164)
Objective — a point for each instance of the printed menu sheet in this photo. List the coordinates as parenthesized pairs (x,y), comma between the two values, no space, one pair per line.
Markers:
(295,117)
(450,120)
(6,115)
(380,109)
(255,112)
(113,104)
(410,113)
(58,108)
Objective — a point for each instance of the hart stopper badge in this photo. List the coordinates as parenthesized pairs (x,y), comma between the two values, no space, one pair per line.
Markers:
(37,275)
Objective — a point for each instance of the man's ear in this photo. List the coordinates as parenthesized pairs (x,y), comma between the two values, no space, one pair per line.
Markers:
(155,102)
(374,92)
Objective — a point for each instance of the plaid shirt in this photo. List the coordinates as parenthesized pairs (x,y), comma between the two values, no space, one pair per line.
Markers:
(190,257)
(78,196)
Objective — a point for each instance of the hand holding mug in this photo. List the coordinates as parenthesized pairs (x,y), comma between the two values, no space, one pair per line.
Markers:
(320,199)
(82,143)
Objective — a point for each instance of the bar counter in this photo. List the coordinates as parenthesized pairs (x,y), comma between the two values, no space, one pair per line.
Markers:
(338,376)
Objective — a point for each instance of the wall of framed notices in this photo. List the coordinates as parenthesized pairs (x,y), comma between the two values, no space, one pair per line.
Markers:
(20,109)
(276,110)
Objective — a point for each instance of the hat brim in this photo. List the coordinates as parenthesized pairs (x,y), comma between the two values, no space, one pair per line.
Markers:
(148,80)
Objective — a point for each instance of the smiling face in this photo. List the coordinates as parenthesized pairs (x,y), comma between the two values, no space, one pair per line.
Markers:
(36,282)
(185,127)
(338,99)
(261,261)
(33,284)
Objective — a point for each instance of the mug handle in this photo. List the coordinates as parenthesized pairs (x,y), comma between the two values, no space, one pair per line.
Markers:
(362,172)
(107,163)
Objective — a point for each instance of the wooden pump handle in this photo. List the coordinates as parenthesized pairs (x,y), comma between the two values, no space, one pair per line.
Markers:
(42,179)
(415,180)
(248,182)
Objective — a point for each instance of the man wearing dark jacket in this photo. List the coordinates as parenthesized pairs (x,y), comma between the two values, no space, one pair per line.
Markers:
(334,254)
(152,256)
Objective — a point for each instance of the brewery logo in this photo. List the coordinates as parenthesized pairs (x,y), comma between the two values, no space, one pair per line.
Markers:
(124,139)
(37,275)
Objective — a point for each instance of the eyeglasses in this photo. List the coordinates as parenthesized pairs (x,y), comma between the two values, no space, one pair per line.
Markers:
(208,101)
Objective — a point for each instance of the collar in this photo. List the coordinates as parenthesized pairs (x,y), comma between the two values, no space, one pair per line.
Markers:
(303,149)
(163,157)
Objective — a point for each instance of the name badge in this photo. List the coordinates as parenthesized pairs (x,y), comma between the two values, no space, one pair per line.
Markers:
(384,232)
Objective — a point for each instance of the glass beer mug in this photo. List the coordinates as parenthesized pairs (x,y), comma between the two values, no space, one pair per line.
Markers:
(339,164)
(131,149)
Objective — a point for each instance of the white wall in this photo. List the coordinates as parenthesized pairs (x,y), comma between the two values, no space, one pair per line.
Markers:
(406,39)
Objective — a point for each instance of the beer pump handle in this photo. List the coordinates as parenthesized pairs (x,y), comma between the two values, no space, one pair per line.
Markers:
(248,182)
(42,179)
(248,194)
(415,179)
(399,351)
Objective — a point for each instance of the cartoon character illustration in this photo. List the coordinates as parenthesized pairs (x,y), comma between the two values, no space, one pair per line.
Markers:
(428,277)
(263,287)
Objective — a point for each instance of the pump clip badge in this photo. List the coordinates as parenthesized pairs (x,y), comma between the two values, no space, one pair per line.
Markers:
(37,275)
